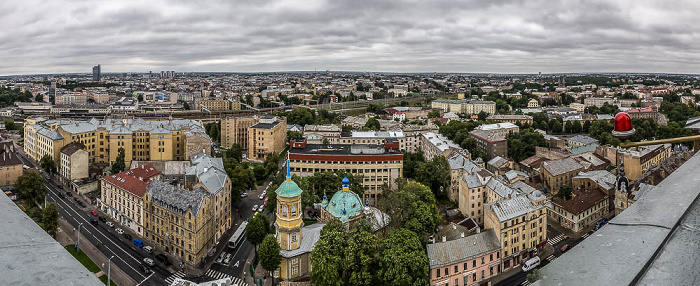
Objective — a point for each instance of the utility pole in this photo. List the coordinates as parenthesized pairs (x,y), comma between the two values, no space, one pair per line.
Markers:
(109,270)
(77,244)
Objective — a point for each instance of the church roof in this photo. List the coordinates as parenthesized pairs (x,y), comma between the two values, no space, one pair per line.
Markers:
(344,205)
(288,189)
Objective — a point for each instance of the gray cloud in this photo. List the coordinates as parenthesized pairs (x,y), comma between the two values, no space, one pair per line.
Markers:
(400,36)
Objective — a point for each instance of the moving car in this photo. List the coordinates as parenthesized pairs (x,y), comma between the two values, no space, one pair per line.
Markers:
(227,260)
(531,264)
(255,208)
(149,261)
(82,204)
(60,195)
(102,219)
(600,223)
(110,224)
(93,221)
(144,268)
(221,257)
(148,249)
(566,247)
(94,213)
(119,231)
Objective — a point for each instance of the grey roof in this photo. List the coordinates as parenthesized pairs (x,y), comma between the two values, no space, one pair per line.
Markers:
(175,198)
(459,250)
(473,181)
(603,178)
(512,208)
(561,166)
(262,125)
(309,237)
(693,123)
(462,162)
(126,126)
(583,139)
(532,193)
(512,174)
(653,242)
(497,161)
(31,257)
(48,133)
(209,170)
(500,188)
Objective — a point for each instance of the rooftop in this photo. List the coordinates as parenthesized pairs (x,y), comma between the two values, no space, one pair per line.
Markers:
(175,198)
(512,208)
(311,235)
(496,126)
(72,148)
(8,155)
(124,126)
(581,201)
(462,249)
(337,149)
(31,257)
(561,166)
(583,139)
(134,181)
(603,178)
(439,141)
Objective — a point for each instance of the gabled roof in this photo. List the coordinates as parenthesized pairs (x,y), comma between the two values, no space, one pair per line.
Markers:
(512,208)
(561,166)
(462,249)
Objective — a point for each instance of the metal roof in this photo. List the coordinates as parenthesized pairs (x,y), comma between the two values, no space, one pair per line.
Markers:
(310,235)
(512,208)
(462,249)
(31,257)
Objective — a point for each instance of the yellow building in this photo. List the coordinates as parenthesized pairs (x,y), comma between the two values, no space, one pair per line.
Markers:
(640,159)
(295,240)
(558,173)
(521,228)
(268,136)
(234,130)
(217,104)
(141,140)
(10,165)
(533,103)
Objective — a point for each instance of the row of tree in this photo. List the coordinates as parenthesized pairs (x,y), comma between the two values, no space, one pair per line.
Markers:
(434,173)
(30,188)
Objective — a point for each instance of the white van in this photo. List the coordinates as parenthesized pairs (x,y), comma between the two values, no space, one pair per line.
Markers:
(531,264)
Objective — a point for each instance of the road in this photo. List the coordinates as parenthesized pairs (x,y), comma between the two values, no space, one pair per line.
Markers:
(557,240)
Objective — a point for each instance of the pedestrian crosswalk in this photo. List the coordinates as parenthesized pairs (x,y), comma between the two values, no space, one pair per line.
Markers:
(556,239)
(213,274)
(525,283)
(586,235)
(171,278)
(551,258)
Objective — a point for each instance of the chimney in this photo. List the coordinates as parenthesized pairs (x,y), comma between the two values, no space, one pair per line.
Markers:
(462,234)
(454,226)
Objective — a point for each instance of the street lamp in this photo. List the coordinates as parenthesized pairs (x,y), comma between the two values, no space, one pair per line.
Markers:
(109,269)
(77,244)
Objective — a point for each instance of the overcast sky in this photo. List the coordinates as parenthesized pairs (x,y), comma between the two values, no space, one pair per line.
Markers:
(359,35)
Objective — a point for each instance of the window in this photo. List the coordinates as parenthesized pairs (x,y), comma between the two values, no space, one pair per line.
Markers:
(294,210)
(438,272)
(284,210)
(456,269)
(447,271)
(474,263)
(294,238)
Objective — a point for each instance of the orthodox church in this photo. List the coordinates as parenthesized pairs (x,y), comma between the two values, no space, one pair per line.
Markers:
(347,206)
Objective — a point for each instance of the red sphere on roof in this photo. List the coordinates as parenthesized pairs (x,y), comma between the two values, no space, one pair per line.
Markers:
(623,126)
(623,122)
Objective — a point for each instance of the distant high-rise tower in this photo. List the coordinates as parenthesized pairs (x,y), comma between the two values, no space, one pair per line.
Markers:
(96,73)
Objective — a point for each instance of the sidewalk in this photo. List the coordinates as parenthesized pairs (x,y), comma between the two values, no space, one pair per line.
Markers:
(546,251)
(68,235)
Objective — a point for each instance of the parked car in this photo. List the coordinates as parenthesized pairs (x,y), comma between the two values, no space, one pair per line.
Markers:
(255,208)
(145,268)
(76,199)
(244,194)
(138,243)
(261,208)
(148,249)
(119,231)
(94,213)
(60,195)
(82,204)
(59,187)
(227,260)
(149,261)
(566,247)
(110,224)
(102,219)
(69,194)
(164,259)
(531,264)
(93,221)
(127,236)
(600,223)
(221,257)
(262,196)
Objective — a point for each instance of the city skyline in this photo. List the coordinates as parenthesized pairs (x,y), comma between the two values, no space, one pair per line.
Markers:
(401,37)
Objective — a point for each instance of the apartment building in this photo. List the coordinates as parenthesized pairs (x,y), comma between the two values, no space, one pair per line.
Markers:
(558,173)
(435,144)
(10,165)
(378,164)
(216,104)
(520,226)
(122,196)
(464,106)
(74,162)
(141,140)
(470,260)
(234,130)
(580,212)
(510,118)
(267,136)
(640,159)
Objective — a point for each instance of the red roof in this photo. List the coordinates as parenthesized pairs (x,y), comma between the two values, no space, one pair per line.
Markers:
(135,180)
(647,109)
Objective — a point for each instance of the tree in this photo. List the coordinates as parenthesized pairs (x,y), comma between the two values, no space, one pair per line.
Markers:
(347,128)
(576,127)
(557,128)
(434,113)
(49,219)
(257,229)
(403,260)
(269,253)
(373,124)
(140,97)
(362,256)
(482,115)
(10,124)
(119,165)
(186,106)
(569,127)
(586,126)
(39,98)
(434,174)
(522,145)
(301,116)
(412,206)
(30,186)
(565,192)
(48,164)
(328,255)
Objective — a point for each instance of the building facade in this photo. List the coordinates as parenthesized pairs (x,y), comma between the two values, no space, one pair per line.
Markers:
(234,130)
(122,196)
(558,173)
(435,144)
(471,260)
(267,136)
(10,165)
(74,162)
(582,211)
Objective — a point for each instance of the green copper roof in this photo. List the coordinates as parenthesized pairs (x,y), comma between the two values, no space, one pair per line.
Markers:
(288,189)
(344,200)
